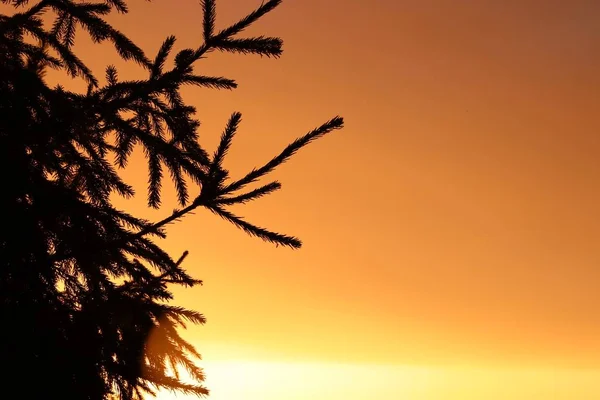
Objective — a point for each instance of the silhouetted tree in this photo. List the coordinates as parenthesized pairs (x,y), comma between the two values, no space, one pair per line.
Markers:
(84,288)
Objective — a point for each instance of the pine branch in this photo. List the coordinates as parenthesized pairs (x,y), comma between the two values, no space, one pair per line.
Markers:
(59,24)
(264,234)
(290,150)
(68,34)
(179,181)
(119,5)
(162,55)
(181,315)
(128,50)
(209,12)
(209,81)
(100,30)
(157,378)
(154,179)
(263,46)
(73,64)
(252,195)
(111,75)
(183,256)
(158,225)
(225,142)
(247,20)
(19,17)
(95,8)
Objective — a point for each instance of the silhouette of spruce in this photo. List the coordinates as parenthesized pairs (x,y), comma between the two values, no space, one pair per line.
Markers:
(85,303)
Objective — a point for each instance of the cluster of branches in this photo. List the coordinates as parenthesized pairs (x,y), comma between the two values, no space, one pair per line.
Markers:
(82,284)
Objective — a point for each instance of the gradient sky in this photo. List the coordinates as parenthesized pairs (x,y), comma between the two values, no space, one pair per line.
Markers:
(451,229)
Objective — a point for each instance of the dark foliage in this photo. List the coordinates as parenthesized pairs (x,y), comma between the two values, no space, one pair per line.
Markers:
(83,287)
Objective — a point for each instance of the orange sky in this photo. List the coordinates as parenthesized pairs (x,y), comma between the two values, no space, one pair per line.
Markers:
(453,223)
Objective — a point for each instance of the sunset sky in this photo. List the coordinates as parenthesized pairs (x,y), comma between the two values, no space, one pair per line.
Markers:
(451,230)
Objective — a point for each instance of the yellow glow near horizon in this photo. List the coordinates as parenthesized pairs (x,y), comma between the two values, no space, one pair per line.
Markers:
(231,380)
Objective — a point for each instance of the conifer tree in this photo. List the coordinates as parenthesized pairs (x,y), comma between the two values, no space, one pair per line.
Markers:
(84,287)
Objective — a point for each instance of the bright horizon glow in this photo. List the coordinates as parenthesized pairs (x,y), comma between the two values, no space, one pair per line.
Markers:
(245,379)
